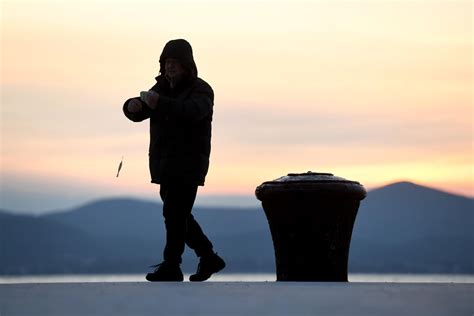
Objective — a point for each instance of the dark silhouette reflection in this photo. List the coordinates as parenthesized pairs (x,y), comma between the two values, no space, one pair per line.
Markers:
(180,108)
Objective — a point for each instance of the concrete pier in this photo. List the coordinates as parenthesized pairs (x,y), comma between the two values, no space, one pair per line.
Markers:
(237,298)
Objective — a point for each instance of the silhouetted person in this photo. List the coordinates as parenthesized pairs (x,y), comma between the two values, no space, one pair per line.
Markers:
(180,107)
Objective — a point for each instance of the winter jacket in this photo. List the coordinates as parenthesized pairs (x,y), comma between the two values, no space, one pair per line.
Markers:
(180,126)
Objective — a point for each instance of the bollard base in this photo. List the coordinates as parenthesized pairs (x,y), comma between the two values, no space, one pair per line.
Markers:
(311,244)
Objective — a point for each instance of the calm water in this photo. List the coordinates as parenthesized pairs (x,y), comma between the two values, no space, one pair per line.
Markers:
(355,277)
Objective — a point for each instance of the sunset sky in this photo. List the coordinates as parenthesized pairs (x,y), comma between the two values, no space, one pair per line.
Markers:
(373,91)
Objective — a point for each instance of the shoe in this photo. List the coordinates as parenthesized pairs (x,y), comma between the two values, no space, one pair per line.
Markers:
(165,271)
(207,266)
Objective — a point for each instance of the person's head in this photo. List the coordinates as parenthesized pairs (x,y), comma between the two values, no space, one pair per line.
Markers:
(174,70)
(177,62)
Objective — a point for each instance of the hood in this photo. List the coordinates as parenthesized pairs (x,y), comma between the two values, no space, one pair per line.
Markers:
(179,49)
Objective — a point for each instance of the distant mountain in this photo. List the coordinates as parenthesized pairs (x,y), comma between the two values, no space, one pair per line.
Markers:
(410,228)
(35,245)
(402,227)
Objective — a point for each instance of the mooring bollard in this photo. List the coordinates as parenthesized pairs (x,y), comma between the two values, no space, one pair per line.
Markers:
(311,216)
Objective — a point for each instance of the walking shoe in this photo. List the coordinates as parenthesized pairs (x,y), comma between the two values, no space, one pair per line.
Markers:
(166,271)
(207,266)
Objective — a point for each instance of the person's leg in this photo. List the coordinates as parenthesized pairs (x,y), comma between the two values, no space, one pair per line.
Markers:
(209,262)
(178,200)
(169,269)
(196,239)
(181,228)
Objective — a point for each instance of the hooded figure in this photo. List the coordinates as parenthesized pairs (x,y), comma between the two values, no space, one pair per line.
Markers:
(180,125)
(181,50)
(180,108)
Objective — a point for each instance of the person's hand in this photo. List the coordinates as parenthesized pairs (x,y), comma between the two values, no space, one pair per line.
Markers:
(134,106)
(150,98)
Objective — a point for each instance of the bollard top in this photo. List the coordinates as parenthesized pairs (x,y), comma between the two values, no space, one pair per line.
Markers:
(315,183)
(309,176)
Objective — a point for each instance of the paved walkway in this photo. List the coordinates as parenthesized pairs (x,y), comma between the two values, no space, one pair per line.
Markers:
(237,298)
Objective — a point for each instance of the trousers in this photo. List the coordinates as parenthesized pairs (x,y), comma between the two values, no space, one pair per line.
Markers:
(181,227)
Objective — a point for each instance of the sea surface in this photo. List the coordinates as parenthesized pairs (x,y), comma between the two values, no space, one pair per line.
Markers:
(238,277)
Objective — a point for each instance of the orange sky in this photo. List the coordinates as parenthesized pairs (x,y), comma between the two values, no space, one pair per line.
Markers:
(373,91)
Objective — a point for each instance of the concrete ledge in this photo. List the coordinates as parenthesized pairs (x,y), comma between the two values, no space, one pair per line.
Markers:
(237,298)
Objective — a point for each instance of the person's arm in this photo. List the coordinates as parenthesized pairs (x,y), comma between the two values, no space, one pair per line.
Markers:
(196,107)
(136,110)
